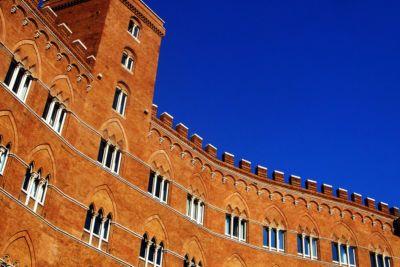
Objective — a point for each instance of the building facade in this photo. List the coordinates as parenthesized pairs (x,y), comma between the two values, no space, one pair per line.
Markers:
(90,175)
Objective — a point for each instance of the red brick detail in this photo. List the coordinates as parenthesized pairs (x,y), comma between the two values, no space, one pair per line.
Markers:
(357,198)
(182,130)
(245,165)
(261,171)
(167,119)
(395,211)
(327,189)
(211,150)
(295,180)
(383,207)
(342,194)
(311,185)
(279,176)
(228,158)
(370,203)
(196,140)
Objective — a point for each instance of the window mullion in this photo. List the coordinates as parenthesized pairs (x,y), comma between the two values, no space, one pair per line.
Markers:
(103,162)
(269,238)
(92,227)
(155,178)
(14,76)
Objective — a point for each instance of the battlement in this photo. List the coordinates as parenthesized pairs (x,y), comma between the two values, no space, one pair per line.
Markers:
(278,177)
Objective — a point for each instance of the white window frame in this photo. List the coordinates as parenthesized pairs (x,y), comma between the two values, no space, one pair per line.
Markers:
(164,187)
(278,241)
(40,191)
(121,102)
(61,111)
(241,233)
(310,248)
(348,247)
(115,162)
(22,95)
(100,236)
(195,209)
(125,62)
(376,254)
(135,26)
(3,154)
(153,261)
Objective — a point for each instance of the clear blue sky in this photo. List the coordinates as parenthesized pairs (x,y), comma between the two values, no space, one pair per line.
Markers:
(311,88)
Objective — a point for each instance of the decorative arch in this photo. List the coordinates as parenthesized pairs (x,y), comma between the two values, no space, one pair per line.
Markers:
(234,261)
(197,186)
(378,243)
(43,157)
(27,52)
(274,217)
(306,224)
(193,249)
(153,226)
(342,233)
(124,86)
(61,88)
(161,163)
(114,131)
(9,128)
(237,204)
(20,248)
(102,197)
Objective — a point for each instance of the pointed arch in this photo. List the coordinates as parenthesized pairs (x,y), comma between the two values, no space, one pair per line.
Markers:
(103,197)
(306,224)
(43,157)
(378,243)
(8,128)
(114,131)
(237,202)
(20,247)
(343,233)
(154,227)
(27,52)
(161,163)
(197,186)
(193,249)
(234,261)
(275,217)
(62,88)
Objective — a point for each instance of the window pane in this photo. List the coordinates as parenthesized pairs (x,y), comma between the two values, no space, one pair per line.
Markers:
(110,153)
(273,238)
(195,207)
(315,247)
(143,248)
(335,252)
(61,121)
(130,26)
(228,224)
(152,252)
(281,236)
(25,87)
(299,244)
(235,226)
(18,80)
(243,230)
(2,160)
(97,224)
(10,72)
(42,192)
(116,97)
(136,32)
(158,186)
(352,256)
(117,161)
(54,114)
(130,63)
(124,58)
(387,262)
(159,252)
(372,259)
(47,106)
(265,236)
(123,102)
(106,228)
(151,181)
(166,185)
(88,219)
(343,253)
(103,144)
(380,261)
(189,205)
(307,245)
(26,179)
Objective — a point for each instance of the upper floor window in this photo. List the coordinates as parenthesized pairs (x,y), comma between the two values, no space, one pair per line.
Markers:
(3,158)
(379,260)
(235,227)
(98,227)
(195,209)
(274,238)
(158,186)
(343,254)
(134,28)
(109,156)
(127,60)
(35,188)
(191,263)
(151,252)
(307,246)
(119,102)
(18,80)
(54,114)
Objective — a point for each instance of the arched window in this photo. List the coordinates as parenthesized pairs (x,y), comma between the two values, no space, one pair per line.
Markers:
(274,238)
(97,226)
(127,60)
(343,254)
(54,113)
(151,252)
(35,188)
(379,260)
(18,80)
(119,101)
(235,227)
(158,186)
(195,209)
(109,156)
(134,28)
(4,150)
(307,246)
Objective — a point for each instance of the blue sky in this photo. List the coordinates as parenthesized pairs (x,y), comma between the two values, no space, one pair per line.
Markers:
(310,88)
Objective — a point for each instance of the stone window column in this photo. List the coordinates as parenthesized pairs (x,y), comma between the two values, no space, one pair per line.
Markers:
(146,258)
(38,193)
(30,185)
(92,221)
(155,178)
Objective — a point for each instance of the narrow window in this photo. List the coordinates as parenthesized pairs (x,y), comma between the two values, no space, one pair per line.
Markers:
(281,239)
(235,227)
(134,29)
(119,101)
(3,158)
(265,237)
(335,252)
(228,229)
(88,220)
(273,238)
(127,61)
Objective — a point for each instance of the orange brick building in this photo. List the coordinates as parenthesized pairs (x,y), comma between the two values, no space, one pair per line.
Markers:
(90,176)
